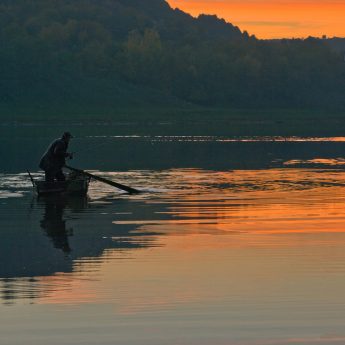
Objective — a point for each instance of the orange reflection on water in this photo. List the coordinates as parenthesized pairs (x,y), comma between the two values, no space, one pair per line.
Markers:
(317,161)
(263,201)
(203,271)
(225,238)
(67,289)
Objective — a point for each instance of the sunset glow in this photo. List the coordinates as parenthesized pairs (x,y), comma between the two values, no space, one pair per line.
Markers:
(274,19)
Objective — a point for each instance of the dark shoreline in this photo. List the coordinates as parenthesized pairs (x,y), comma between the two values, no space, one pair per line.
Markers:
(187,120)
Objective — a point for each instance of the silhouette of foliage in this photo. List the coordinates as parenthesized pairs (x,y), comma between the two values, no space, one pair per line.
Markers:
(54,51)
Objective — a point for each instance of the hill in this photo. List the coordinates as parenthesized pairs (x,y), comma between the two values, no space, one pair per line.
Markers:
(337,43)
(106,53)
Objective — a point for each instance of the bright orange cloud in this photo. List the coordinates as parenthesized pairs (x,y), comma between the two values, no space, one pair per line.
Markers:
(274,19)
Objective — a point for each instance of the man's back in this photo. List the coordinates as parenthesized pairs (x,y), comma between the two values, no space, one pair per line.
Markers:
(55,155)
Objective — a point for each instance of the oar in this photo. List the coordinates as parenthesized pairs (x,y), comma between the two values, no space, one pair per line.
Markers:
(101,179)
(31,178)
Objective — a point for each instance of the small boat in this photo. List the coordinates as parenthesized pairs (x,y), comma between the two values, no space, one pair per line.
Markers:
(77,183)
(74,185)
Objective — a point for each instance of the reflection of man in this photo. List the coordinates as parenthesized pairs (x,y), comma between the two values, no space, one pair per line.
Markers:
(54,225)
(54,158)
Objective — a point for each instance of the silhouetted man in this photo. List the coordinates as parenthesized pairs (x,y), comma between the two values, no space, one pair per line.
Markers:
(54,159)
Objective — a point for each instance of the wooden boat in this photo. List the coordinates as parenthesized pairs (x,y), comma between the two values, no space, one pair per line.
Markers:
(77,183)
(74,185)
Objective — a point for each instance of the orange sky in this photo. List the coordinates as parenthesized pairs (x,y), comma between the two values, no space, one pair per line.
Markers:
(275,18)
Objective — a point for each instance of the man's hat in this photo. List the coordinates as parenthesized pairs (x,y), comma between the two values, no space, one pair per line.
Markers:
(67,135)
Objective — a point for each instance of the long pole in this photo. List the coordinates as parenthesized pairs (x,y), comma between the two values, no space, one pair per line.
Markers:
(31,178)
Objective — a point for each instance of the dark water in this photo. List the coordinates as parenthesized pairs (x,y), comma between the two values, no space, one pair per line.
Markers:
(234,240)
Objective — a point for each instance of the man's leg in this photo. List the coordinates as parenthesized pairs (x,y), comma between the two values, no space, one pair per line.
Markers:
(60,175)
(49,176)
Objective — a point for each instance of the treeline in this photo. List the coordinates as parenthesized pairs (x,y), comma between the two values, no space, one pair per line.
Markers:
(100,51)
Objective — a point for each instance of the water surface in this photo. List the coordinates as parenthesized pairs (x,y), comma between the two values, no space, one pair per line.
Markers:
(233,241)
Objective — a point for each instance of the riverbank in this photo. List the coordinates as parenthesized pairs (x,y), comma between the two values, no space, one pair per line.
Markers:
(188,120)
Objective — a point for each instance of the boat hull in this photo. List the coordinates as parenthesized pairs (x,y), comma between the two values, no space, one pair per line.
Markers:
(78,186)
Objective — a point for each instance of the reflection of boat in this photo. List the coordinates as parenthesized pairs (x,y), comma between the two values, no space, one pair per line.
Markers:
(54,222)
(63,234)
(75,184)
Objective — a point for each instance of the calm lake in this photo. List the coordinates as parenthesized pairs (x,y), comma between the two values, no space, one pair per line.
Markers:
(235,240)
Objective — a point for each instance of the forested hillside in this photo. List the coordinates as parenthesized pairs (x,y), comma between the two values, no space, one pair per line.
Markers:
(106,52)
